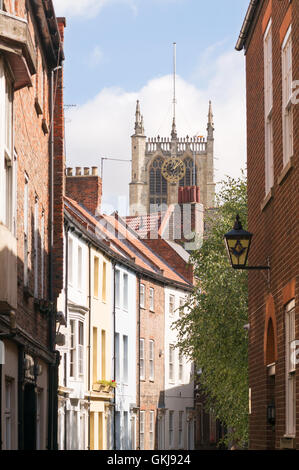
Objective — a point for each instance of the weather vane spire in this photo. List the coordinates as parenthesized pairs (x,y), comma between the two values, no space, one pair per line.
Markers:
(173,132)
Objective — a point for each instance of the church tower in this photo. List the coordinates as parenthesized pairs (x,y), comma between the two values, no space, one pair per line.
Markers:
(154,160)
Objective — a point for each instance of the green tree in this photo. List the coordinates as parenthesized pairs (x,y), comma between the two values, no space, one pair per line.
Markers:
(212,333)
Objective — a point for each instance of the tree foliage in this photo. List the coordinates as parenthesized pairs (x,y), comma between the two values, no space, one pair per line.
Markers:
(212,333)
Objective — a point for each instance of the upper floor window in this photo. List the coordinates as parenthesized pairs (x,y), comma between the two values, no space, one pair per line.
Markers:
(76,348)
(117,288)
(70,260)
(80,267)
(152,299)
(7,196)
(171,304)
(290,369)
(287,110)
(125,359)
(268,86)
(142,296)
(125,291)
(151,360)
(171,363)
(96,276)
(104,282)
(141,359)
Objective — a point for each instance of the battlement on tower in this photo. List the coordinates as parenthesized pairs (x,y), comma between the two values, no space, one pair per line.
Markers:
(197,145)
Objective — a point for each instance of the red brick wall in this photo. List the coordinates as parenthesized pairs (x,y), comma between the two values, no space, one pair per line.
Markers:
(161,247)
(59,173)
(151,327)
(31,143)
(86,190)
(275,227)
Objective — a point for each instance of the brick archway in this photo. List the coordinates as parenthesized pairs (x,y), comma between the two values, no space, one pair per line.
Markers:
(270,332)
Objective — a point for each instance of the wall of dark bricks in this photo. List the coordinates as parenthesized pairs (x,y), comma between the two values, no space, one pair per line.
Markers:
(275,226)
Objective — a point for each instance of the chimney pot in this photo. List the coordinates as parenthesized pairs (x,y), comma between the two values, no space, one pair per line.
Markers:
(94,170)
(86,171)
(78,170)
(69,171)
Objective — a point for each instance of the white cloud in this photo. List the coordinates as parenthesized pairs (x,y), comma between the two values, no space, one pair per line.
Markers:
(103,126)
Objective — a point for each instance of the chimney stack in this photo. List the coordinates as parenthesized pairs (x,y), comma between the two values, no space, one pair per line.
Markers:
(86,188)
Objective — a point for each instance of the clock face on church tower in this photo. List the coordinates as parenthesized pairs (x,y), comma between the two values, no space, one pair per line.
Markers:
(173,169)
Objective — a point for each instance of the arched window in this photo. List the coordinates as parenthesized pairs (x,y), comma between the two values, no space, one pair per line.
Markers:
(157,183)
(188,179)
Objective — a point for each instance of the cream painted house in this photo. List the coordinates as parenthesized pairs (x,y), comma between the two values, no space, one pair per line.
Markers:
(100,392)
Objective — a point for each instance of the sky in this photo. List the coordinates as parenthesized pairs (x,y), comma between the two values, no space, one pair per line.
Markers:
(118,51)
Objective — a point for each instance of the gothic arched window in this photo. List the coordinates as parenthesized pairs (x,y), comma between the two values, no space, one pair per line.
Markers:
(157,183)
(188,179)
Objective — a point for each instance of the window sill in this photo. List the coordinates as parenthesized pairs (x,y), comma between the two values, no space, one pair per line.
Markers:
(267,199)
(45,127)
(285,171)
(38,107)
(152,311)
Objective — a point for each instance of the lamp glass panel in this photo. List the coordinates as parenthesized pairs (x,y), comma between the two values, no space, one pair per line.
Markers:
(238,251)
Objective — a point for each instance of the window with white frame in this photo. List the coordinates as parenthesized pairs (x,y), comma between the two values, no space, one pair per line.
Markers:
(171,419)
(96,277)
(171,363)
(152,299)
(142,429)
(125,291)
(182,303)
(171,304)
(141,359)
(80,347)
(151,430)
(117,288)
(125,359)
(70,260)
(287,110)
(36,237)
(142,296)
(151,360)
(8,413)
(117,371)
(26,234)
(268,100)
(80,267)
(290,369)
(181,367)
(181,416)
(76,349)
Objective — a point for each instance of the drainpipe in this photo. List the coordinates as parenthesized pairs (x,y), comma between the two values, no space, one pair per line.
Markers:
(89,339)
(1,406)
(66,319)
(114,362)
(52,424)
(138,368)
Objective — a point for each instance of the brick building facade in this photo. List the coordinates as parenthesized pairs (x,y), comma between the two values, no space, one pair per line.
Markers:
(31,49)
(270,37)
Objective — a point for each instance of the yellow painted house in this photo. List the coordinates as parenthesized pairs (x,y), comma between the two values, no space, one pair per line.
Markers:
(100,330)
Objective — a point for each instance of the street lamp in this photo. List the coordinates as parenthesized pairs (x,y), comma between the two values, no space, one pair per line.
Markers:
(238,244)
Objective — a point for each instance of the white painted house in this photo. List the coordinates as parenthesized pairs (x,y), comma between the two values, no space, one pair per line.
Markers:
(124,315)
(72,402)
(179,386)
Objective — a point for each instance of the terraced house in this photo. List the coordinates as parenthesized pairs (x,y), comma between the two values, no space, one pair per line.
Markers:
(31,154)
(270,38)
